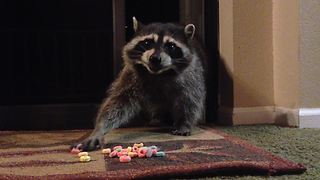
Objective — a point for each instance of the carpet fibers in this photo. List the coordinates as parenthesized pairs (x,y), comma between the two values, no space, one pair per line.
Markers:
(45,155)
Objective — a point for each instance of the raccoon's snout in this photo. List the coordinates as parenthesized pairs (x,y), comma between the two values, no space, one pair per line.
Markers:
(155,60)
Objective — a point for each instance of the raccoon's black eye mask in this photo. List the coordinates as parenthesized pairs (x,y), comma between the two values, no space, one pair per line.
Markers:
(173,50)
(146,44)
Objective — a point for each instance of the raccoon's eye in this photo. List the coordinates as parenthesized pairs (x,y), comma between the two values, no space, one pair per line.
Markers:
(170,46)
(147,43)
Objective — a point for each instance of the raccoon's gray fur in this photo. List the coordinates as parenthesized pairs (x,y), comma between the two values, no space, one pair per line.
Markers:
(163,78)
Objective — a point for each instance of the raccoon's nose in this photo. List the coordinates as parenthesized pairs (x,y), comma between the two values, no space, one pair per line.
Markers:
(155,60)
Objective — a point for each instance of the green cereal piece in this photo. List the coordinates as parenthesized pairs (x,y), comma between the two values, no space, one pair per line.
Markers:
(160,154)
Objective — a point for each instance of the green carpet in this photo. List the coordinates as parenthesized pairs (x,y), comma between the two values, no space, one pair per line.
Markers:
(298,145)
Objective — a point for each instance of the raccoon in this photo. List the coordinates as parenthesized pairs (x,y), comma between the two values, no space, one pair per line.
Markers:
(163,77)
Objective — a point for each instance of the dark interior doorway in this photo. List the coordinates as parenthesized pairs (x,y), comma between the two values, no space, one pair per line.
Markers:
(56,62)
(57,57)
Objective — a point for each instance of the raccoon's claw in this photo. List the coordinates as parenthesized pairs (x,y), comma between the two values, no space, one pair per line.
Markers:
(181,132)
(88,144)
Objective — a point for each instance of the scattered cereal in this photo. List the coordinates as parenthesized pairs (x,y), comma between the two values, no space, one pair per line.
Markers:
(124,155)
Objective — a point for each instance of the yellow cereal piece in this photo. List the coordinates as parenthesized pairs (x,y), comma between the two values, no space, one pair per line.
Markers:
(106,151)
(138,145)
(85,158)
(132,154)
(129,149)
(83,154)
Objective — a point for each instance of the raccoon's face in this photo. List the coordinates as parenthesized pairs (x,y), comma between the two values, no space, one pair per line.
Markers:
(160,47)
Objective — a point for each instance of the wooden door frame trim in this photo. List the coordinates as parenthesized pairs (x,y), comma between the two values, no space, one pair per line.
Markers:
(118,13)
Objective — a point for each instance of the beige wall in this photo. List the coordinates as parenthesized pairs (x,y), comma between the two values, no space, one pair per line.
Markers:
(246,52)
(253,74)
(310,53)
(286,52)
(270,61)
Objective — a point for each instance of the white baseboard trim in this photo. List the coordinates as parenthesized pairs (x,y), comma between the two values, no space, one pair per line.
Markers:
(309,118)
(259,115)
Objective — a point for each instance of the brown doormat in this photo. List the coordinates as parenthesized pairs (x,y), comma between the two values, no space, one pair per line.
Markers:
(45,155)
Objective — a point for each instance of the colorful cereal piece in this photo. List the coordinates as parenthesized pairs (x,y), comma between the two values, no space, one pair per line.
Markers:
(154,151)
(85,158)
(119,154)
(160,154)
(75,151)
(149,152)
(135,149)
(125,159)
(138,145)
(142,152)
(124,150)
(113,153)
(132,154)
(153,147)
(129,149)
(117,147)
(83,154)
(106,151)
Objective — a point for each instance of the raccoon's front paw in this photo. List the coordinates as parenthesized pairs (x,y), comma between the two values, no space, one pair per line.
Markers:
(89,144)
(181,131)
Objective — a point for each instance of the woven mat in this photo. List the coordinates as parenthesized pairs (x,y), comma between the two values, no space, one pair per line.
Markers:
(39,155)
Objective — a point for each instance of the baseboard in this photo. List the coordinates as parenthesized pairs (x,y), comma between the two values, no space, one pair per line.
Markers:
(246,115)
(259,115)
(309,118)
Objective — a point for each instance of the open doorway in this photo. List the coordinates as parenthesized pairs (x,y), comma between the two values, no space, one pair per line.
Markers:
(60,56)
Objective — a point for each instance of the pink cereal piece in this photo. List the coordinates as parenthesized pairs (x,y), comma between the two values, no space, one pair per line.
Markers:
(117,147)
(124,150)
(154,151)
(75,151)
(119,154)
(113,153)
(142,152)
(135,149)
(125,159)
(149,152)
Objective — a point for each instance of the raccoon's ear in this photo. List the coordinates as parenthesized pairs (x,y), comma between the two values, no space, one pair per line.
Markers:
(189,30)
(136,24)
